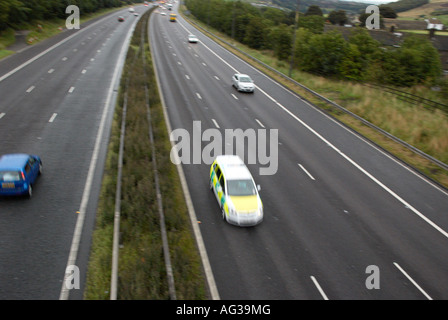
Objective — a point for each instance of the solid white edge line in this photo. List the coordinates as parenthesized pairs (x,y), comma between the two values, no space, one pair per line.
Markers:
(319,288)
(412,280)
(306,171)
(193,219)
(64,294)
(259,122)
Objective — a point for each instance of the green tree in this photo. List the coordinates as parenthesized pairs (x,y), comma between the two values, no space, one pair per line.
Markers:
(280,39)
(313,23)
(338,17)
(313,10)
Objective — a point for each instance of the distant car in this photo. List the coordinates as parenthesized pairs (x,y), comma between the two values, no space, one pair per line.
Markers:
(18,173)
(120,18)
(192,38)
(235,191)
(242,82)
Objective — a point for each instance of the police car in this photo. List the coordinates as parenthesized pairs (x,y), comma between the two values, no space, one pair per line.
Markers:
(235,191)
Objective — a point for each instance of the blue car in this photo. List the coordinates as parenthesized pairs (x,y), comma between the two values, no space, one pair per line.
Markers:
(18,172)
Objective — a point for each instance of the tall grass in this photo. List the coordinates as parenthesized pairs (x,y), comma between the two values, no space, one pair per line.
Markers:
(142,273)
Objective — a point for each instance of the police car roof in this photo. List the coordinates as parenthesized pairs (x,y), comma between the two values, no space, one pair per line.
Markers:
(233,167)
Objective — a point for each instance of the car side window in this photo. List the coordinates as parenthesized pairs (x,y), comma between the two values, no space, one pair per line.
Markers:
(218,172)
(222,183)
(27,168)
(31,161)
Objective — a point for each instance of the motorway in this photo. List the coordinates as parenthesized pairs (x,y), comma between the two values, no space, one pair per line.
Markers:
(57,101)
(343,219)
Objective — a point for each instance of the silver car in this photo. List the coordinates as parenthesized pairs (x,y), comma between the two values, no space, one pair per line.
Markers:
(242,82)
(192,38)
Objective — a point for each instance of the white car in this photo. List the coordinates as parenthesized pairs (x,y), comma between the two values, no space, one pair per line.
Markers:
(192,38)
(242,82)
(236,192)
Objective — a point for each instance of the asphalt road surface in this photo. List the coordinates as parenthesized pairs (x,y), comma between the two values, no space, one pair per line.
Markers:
(57,100)
(343,219)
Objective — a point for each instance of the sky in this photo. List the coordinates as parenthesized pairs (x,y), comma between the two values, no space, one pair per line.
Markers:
(372,1)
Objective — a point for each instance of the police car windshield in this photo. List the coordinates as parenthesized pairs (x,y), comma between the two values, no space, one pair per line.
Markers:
(240,188)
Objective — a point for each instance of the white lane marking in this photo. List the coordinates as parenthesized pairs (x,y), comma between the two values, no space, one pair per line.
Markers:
(306,171)
(259,122)
(179,63)
(203,63)
(64,294)
(216,77)
(413,282)
(215,123)
(2,115)
(92,59)
(187,76)
(234,96)
(199,96)
(71,89)
(30,89)
(83,71)
(319,288)
(356,165)
(82,30)
(64,59)
(51,71)
(53,117)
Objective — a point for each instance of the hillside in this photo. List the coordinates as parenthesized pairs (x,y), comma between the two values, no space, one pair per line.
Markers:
(325,5)
(436,8)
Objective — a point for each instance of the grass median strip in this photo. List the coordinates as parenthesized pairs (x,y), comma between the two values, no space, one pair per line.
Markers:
(141,267)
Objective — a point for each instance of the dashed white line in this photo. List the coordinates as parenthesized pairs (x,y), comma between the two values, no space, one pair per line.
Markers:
(83,71)
(413,282)
(216,77)
(319,288)
(203,63)
(30,89)
(51,71)
(199,96)
(234,96)
(309,175)
(53,117)
(259,122)
(215,123)
(64,59)
(187,76)
(71,89)
(2,115)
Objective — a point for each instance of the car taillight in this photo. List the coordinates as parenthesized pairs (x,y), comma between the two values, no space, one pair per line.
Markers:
(23,175)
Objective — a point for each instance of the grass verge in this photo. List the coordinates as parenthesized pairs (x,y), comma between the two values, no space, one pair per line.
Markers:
(142,273)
